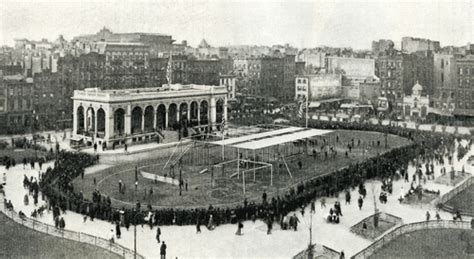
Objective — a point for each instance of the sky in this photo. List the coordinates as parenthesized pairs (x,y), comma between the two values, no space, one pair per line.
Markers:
(349,23)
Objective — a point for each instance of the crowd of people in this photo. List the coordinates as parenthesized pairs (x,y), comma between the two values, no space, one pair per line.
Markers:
(56,185)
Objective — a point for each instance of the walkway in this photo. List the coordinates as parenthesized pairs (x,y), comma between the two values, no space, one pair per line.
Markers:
(183,242)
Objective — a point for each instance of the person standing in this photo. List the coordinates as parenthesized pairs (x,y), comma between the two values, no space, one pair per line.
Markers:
(163,250)
(269,226)
(295,222)
(348,197)
(158,234)
(198,226)
(428,216)
(360,202)
(117,230)
(239,228)
(62,223)
(112,236)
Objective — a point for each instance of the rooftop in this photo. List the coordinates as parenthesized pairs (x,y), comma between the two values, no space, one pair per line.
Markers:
(136,94)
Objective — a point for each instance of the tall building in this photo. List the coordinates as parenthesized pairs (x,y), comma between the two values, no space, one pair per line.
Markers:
(16,104)
(399,71)
(465,86)
(381,45)
(159,44)
(410,45)
(444,79)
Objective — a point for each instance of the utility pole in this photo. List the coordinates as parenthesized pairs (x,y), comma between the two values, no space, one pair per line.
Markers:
(310,247)
(180,178)
(135,236)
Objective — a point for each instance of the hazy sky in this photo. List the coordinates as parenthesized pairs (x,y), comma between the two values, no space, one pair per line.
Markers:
(300,23)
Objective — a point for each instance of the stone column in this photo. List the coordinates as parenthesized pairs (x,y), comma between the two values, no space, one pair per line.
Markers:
(154,118)
(166,117)
(199,114)
(189,113)
(95,124)
(74,121)
(85,119)
(212,118)
(128,120)
(225,112)
(143,121)
(109,125)
(178,113)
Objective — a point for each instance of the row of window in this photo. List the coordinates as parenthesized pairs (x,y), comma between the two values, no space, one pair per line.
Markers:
(465,71)
(301,80)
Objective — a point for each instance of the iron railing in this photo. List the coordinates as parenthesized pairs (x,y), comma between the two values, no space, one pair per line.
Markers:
(407,228)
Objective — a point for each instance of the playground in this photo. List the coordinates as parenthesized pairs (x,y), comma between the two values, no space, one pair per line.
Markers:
(226,170)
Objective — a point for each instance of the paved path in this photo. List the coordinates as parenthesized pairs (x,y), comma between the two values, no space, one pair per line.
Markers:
(183,242)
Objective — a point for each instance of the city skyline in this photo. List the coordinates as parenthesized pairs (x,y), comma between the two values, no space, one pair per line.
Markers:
(301,24)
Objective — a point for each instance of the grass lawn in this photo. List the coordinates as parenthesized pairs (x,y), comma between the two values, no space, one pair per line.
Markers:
(429,243)
(464,200)
(228,190)
(17,241)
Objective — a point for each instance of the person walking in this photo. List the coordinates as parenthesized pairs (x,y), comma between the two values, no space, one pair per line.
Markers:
(158,234)
(428,216)
(163,250)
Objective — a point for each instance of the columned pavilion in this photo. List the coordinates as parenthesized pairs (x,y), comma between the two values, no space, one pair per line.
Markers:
(133,115)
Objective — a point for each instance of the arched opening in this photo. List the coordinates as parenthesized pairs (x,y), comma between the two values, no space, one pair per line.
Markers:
(90,119)
(183,114)
(119,121)
(101,122)
(136,120)
(161,117)
(172,113)
(194,113)
(219,112)
(204,113)
(149,119)
(80,120)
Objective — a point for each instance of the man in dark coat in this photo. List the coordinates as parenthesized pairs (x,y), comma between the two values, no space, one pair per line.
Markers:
(118,232)
(163,250)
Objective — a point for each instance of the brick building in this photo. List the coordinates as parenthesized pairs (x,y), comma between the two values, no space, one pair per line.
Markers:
(16,104)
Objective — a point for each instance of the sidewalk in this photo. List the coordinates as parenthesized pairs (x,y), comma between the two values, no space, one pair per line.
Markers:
(183,242)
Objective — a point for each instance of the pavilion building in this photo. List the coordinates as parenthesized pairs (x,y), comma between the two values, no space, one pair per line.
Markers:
(143,114)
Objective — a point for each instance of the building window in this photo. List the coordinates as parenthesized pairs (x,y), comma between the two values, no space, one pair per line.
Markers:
(460,71)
